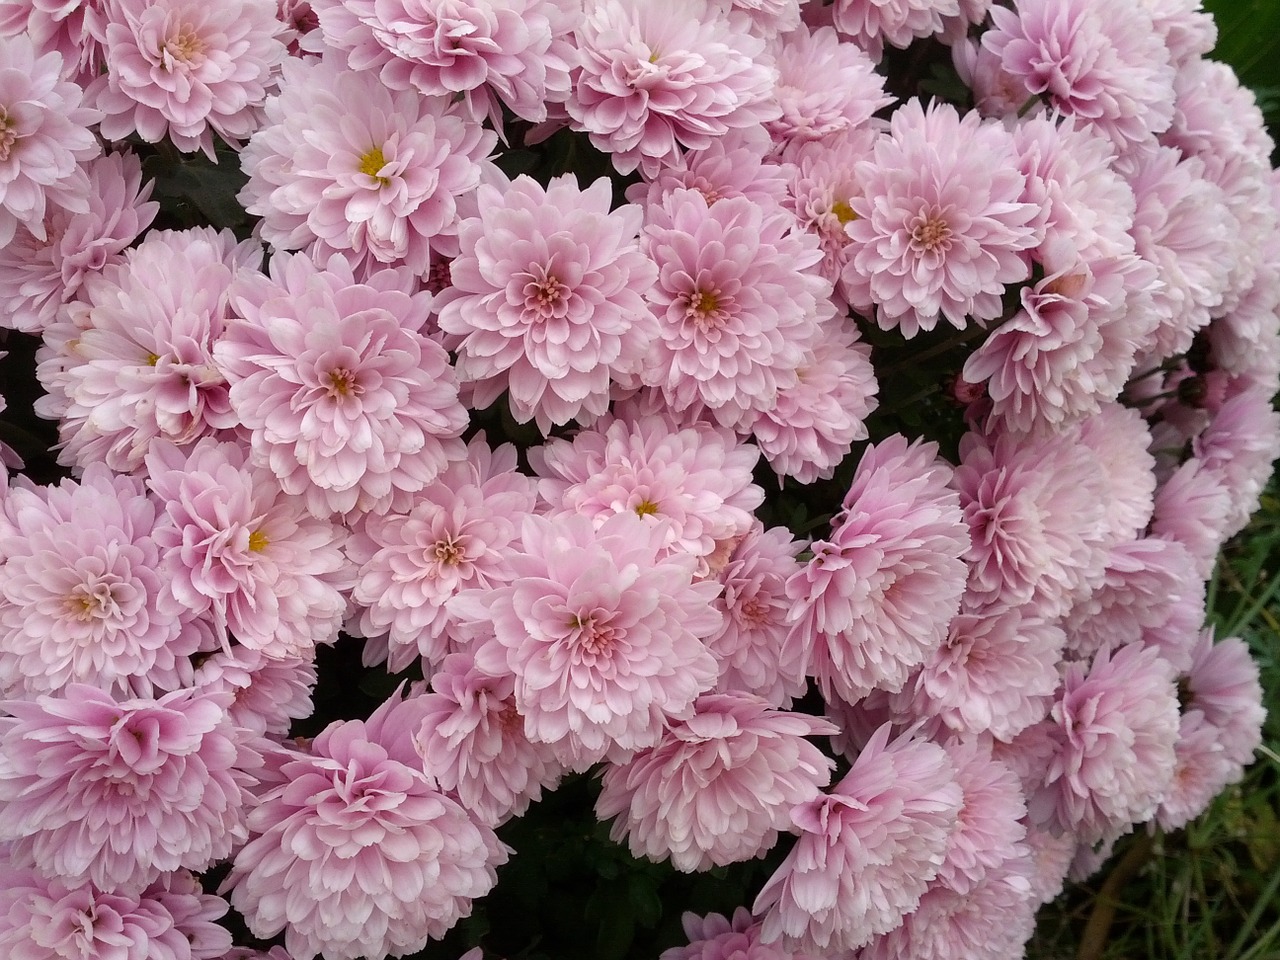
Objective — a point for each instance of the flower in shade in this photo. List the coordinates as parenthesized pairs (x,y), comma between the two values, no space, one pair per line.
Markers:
(719,786)
(117,792)
(603,630)
(38,276)
(82,590)
(350,405)
(940,226)
(867,850)
(873,23)
(1240,443)
(51,919)
(878,594)
(989,829)
(1201,772)
(716,937)
(735,165)
(547,299)
(472,740)
(183,70)
(267,693)
(657,75)
(342,163)
(1223,683)
(1191,508)
(358,853)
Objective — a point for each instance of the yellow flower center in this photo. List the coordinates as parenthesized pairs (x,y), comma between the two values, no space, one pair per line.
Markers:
(844,213)
(258,541)
(372,162)
(153,359)
(646,508)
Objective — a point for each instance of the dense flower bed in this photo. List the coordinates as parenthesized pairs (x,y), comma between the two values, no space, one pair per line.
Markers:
(465,452)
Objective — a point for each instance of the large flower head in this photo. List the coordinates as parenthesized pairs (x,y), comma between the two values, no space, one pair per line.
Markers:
(547,299)
(117,792)
(349,403)
(940,226)
(873,23)
(343,163)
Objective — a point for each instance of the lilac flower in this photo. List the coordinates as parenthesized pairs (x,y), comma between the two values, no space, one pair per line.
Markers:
(873,23)
(1223,683)
(267,694)
(716,937)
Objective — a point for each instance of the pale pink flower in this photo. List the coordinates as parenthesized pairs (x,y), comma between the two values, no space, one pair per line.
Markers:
(939,227)
(873,23)
(867,850)
(1050,861)
(1120,439)
(1240,444)
(878,594)
(547,299)
(267,693)
(603,630)
(44,139)
(358,853)
(1223,683)
(737,301)
(1091,60)
(131,363)
(472,741)
(1201,772)
(509,52)
(342,163)
(82,592)
(60,25)
(455,535)
(350,405)
(768,17)
(657,75)
(716,937)
(117,792)
(301,34)
(1191,508)
(183,70)
(989,830)
(1187,28)
(236,546)
(37,277)
(719,786)
(735,165)
(693,484)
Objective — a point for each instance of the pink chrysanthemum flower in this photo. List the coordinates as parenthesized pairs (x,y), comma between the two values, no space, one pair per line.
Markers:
(472,741)
(939,227)
(1241,443)
(350,405)
(1223,683)
(867,850)
(768,18)
(815,423)
(547,299)
(267,694)
(455,535)
(115,793)
(1202,770)
(37,277)
(60,25)
(718,787)
(512,52)
(735,165)
(342,163)
(1191,508)
(239,548)
(183,70)
(694,484)
(657,75)
(878,594)
(1120,438)
(359,854)
(132,362)
(603,630)
(737,303)
(44,139)
(873,23)
(49,919)
(825,87)
(82,594)
(1102,760)
(716,937)
(989,830)
(1090,60)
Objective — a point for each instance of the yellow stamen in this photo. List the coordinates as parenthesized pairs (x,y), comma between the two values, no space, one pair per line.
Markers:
(372,162)
(844,213)
(646,508)
(258,541)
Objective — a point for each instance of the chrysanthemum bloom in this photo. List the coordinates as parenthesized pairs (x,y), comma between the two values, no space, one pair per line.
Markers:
(117,792)
(1223,683)
(694,484)
(49,919)
(815,423)
(512,52)
(1201,772)
(873,23)
(603,630)
(131,362)
(735,165)
(989,830)
(1192,507)
(358,853)
(939,227)
(455,535)
(1240,444)
(82,590)
(716,937)
(342,163)
(44,137)
(183,70)
(878,594)
(238,547)
(738,303)
(349,404)
(825,87)
(61,25)
(719,786)
(769,18)
(995,673)
(657,75)
(267,693)
(1102,760)
(1089,60)
(38,276)
(867,850)
(472,741)
(547,299)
